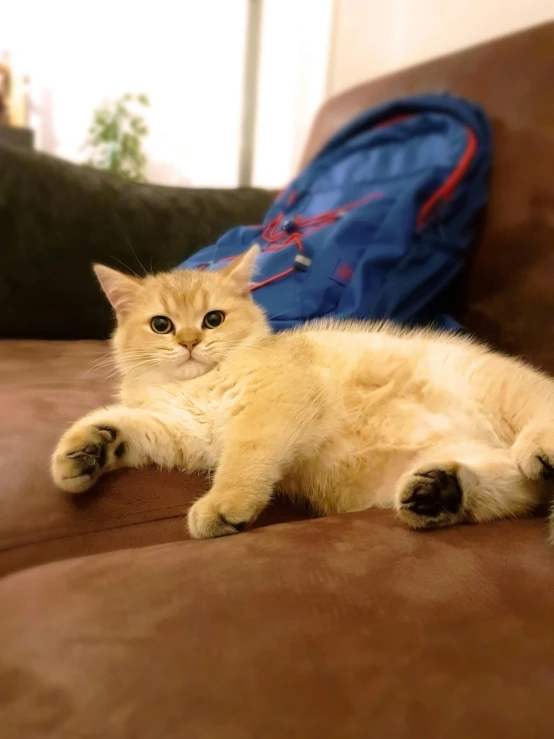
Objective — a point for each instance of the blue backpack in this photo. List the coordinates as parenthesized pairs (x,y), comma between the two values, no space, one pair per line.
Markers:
(378,225)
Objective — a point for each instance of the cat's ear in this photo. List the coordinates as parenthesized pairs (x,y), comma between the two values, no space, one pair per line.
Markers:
(241,269)
(120,289)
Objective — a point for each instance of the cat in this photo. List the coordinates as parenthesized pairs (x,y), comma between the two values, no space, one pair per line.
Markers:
(346,416)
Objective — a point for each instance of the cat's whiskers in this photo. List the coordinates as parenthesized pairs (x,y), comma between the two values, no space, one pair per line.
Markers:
(132,368)
(104,362)
(128,240)
(118,363)
(129,269)
(99,364)
(112,359)
(282,313)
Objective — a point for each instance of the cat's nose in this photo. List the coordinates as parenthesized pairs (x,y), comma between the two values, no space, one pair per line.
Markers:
(189,344)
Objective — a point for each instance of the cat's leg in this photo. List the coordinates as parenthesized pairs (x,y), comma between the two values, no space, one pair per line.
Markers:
(520,403)
(533,453)
(115,437)
(261,444)
(464,482)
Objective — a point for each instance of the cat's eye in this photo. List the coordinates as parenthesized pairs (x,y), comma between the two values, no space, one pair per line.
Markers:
(161,325)
(213,319)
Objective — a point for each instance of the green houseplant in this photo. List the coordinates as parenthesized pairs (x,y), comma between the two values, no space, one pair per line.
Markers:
(116,135)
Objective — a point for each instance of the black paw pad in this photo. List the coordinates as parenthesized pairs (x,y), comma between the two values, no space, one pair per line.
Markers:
(88,460)
(120,450)
(238,527)
(547,468)
(91,458)
(435,492)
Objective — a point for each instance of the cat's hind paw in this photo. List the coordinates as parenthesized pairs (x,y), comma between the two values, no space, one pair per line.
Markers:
(83,454)
(430,498)
(533,452)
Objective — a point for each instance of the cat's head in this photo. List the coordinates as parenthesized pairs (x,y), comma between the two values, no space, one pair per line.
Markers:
(179,325)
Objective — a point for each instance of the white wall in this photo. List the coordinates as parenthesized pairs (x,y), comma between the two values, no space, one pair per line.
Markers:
(187,55)
(293,77)
(371,37)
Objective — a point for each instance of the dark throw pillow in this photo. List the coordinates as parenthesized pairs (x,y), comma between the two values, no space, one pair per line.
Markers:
(57,218)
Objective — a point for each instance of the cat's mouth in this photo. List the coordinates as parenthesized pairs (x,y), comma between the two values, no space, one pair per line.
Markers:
(190,361)
(187,368)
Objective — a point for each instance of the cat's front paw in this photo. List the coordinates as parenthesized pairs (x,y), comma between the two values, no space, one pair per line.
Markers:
(83,453)
(211,516)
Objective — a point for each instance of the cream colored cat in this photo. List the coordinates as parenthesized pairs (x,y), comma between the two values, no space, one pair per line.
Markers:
(347,416)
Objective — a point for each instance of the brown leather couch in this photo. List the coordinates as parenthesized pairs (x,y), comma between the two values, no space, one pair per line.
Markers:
(112,624)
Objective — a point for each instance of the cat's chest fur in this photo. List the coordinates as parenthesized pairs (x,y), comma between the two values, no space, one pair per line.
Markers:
(201,407)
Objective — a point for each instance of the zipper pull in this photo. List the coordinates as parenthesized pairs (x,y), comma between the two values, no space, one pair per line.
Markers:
(302,262)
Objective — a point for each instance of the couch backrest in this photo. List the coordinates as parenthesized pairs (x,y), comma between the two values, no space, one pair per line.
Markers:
(508,296)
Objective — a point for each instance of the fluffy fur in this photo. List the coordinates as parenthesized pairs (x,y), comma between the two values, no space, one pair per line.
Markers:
(345,415)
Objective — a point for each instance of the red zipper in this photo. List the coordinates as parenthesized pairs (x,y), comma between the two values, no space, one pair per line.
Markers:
(445,191)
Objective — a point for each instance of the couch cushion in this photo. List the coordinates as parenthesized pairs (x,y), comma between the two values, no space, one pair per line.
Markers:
(349,627)
(44,387)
